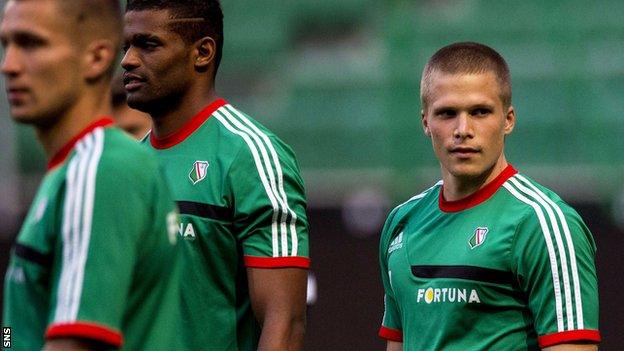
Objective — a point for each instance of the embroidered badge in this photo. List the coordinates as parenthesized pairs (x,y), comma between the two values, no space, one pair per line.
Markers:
(478,237)
(198,173)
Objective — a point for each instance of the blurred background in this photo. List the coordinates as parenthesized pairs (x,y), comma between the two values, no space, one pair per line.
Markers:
(338,80)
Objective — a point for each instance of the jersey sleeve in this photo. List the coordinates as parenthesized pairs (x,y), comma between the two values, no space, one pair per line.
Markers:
(105,213)
(391,328)
(269,205)
(553,257)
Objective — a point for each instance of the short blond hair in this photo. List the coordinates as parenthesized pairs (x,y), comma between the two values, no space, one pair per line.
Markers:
(467,58)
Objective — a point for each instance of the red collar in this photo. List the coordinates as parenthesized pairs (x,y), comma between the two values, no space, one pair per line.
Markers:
(187,129)
(479,196)
(62,154)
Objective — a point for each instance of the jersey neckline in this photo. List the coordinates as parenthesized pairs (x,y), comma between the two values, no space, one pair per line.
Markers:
(479,196)
(187,129)
(62,154)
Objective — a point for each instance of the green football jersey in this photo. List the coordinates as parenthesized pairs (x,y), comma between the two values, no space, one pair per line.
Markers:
(242,204)
(510,267)
(96,256)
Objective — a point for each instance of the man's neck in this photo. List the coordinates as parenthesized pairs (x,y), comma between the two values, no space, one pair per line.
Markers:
(456,188)
(88,108)
(170,119)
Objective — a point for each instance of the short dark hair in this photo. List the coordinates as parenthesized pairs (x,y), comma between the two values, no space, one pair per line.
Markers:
(467,58)
(208,10)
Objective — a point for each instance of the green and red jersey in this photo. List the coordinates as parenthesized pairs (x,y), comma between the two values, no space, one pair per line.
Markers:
(510,267)
(96,256)
(242,205)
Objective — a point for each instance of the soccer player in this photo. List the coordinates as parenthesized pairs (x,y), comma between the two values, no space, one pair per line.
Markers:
(94,265)
(241,198)
(486,259)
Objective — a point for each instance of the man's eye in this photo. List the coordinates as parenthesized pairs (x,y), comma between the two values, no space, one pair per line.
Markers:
(149,44)
(142,45)
(446,113)
(29,42)
(481,112)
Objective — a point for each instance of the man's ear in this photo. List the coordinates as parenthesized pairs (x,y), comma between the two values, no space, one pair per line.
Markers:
(510,120)
(99,56)
(206,50)
(425,124)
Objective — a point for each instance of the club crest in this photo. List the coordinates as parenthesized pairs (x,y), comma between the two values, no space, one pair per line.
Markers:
(198,172)
(478,237)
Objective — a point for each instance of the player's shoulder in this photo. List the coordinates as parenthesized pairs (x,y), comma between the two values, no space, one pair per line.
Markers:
(239,129)
(408,208)
(540,208)
(536,198)
(240,120)
(529,193)
(119,157)
(423,199)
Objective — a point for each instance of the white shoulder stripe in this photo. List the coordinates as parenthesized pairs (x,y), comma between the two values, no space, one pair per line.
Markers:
(76,217)
(77,221)
(280,180)
(560,249)
(269,171)
(219,115)
(87,216)
(571,253)
(71,246)
(66,229)
(551,251)
(272,180)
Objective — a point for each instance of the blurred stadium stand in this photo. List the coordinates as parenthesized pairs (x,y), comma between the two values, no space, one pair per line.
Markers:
(339,81)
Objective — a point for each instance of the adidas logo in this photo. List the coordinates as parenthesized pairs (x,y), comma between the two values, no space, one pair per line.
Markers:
(396,244)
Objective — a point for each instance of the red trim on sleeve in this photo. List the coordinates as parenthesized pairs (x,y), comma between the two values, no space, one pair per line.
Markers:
(85,330)
(479,196)
(391,334)
(276,262)
(187,129)
(568,336)
(62,154)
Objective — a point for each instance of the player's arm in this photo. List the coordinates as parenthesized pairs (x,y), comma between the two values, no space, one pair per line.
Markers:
(278,299)
(572,347)
(271,224)
(72,345)
(554,265)
(391,327)
(394,346)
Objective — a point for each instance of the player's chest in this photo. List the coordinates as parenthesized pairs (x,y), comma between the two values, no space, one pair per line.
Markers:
(200,188)
(451,258)
(199,177)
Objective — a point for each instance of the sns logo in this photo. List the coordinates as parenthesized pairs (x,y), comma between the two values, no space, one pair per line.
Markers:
(6,337)
(450,295)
